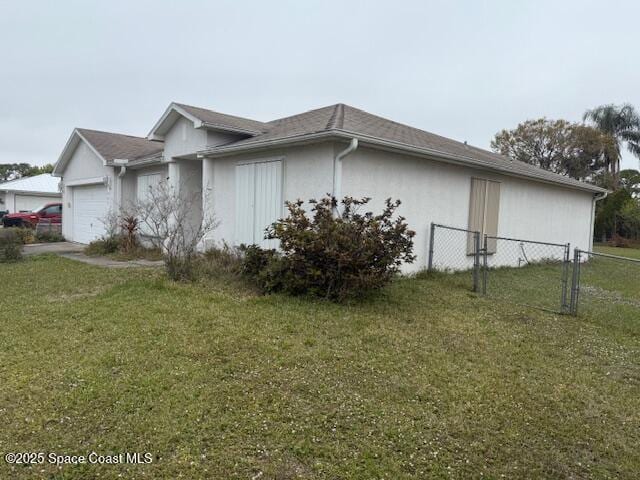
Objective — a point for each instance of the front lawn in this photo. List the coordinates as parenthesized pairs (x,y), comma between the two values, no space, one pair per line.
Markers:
(426,381)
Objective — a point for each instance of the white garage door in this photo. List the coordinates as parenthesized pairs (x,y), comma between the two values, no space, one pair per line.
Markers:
(90,207)
(30,202)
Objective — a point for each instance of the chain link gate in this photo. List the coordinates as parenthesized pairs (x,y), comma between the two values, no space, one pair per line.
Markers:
(527,272)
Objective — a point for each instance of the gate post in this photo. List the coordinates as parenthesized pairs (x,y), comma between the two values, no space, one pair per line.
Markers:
(476,261)
(432,236)
(485,264)
(565,304)
(575,283)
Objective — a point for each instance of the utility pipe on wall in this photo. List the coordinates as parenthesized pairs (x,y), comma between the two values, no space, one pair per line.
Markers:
(122,163)
(337,168)
(596,199)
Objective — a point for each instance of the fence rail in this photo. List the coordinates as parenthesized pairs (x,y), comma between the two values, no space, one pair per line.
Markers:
(454,249)
(537,273)
(601,285)
(528,272)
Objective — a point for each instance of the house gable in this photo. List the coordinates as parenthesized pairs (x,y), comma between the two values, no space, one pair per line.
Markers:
(186,130)
(75,140)
(84,162)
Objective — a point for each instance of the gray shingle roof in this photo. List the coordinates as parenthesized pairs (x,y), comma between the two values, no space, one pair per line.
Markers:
(223,120)
(117,145)
(344,120)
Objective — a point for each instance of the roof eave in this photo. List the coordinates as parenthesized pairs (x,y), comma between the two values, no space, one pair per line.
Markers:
(31,192)
(168,118)
(219,127)
(471,162)
(396,147)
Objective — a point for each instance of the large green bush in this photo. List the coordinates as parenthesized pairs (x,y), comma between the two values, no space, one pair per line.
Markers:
(10,245)
(334,252)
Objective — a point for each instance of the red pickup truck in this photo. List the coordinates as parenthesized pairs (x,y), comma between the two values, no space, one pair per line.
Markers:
(50,211)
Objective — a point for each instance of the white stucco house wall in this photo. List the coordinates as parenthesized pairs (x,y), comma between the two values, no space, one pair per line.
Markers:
(28,193)
(244,170)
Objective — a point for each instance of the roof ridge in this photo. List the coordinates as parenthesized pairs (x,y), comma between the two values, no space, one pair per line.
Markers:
(336,121)
(297,115)
(113,133)
(231,115)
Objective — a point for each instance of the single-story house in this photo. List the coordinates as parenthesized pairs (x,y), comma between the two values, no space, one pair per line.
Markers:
(27,193)
(244,170)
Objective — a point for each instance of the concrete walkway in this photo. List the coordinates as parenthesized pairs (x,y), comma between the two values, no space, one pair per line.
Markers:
(54,247)
(74,251)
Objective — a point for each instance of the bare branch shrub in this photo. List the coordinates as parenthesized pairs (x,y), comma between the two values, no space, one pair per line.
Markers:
(111,222)
(168,220)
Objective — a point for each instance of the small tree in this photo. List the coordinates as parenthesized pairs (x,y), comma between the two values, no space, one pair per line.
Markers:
(329,255)
(129,226)
(170,220)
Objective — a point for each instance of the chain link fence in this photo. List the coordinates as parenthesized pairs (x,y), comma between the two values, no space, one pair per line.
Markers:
(527,272)
(456,250)
(605,286)
(46,227)
(538,274)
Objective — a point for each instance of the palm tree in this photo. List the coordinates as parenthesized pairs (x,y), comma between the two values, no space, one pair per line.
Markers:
(622,123)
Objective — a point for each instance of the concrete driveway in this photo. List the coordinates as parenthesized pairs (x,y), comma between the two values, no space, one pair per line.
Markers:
(75,251)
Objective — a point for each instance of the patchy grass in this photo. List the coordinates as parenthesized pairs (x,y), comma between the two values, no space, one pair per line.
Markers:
(138,253)
(425,381)
(610,288)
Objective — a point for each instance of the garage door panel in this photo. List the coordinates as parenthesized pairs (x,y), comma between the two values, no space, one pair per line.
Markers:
(90,209)
(27,203)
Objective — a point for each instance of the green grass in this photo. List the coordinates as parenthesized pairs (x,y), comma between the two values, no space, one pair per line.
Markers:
(622,252)
(424,381)
(610,288)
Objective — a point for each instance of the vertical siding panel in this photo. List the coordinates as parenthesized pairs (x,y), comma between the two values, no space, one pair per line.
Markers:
(258,201)
(244,204)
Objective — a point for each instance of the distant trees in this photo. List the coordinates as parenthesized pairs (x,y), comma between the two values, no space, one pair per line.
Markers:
(13,171)
(622,124)
(590,152)
(630,181)
(559,146)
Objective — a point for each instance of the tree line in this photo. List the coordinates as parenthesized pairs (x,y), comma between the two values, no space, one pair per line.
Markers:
(590,151)
(14,171)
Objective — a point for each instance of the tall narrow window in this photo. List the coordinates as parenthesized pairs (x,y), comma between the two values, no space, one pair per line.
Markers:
(484,208)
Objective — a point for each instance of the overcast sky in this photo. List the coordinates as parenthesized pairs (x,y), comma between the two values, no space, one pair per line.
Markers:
(462,69)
